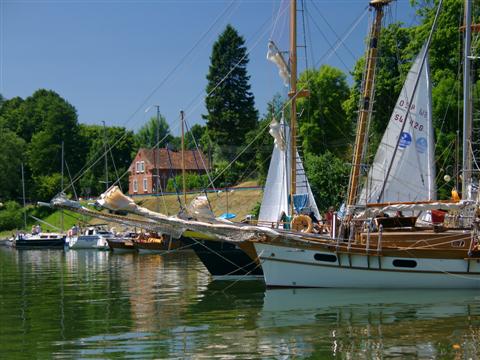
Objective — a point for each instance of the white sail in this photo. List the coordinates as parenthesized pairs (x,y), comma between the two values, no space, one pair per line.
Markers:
(274,55)
(412,175)
(277,187)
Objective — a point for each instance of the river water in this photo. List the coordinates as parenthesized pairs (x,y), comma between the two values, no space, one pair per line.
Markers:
(101,305)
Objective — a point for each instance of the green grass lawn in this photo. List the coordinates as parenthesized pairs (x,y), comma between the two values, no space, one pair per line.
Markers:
(240,202)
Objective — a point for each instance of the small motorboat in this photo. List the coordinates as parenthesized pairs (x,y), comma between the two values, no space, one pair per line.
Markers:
(156,243)
(122,243)
(94,237)
(42,240)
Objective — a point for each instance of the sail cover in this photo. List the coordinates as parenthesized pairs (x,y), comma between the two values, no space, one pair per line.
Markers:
(277,187)
(412,174)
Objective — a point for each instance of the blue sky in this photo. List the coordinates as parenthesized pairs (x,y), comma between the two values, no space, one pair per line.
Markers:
(110,59)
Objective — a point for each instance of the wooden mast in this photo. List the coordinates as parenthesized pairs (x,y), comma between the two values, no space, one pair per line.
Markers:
(182,119)
(293,97)
(367,98)
(467,105)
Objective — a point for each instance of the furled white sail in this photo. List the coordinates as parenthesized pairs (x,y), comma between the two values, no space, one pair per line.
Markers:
(412,174)
(275,56)
(277,187)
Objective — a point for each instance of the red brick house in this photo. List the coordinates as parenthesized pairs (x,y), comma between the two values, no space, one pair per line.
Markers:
(169,164)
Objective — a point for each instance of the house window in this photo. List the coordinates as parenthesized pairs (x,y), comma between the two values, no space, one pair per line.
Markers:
(135,185)
(137,166)
(142,166)
(145,188)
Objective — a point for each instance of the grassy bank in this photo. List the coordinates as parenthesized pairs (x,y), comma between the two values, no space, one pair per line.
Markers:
(240,202)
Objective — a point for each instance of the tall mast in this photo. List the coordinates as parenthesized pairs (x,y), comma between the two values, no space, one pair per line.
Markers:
(61,212)
(367,100)
(467,104)
(155,151)
(293,96)
(182,119)
(24,202)
(106,154)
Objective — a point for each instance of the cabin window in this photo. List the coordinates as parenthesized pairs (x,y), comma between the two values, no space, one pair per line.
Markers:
(458,243)
(145,188)
(135,185)
(405,263)
(325,257)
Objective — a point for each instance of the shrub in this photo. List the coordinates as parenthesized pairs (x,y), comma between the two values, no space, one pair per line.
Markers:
(11,216)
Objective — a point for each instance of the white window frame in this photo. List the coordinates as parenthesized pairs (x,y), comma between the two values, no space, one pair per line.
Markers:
(142,166)
(135,185)
(137,166)
(145,184)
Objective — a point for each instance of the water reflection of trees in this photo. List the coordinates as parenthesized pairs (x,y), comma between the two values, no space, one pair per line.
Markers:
(80,303)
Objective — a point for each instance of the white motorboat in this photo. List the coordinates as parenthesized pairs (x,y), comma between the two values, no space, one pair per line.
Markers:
(93,237)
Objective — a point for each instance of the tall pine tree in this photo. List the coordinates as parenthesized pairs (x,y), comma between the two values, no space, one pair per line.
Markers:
(229,102)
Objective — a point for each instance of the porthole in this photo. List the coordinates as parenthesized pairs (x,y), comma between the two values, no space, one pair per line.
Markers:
(325,257)
(405,263)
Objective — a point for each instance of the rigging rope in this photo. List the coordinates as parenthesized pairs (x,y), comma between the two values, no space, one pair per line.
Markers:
(228,8)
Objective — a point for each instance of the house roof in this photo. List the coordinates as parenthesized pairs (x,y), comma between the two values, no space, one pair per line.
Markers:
(169,159)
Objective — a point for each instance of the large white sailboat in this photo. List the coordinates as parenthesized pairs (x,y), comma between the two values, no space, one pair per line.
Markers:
(385,252)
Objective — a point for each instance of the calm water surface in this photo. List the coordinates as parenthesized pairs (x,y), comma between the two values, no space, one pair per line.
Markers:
(88,304)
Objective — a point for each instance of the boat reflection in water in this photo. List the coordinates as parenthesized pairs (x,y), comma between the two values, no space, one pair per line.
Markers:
(69,304)
(373,323)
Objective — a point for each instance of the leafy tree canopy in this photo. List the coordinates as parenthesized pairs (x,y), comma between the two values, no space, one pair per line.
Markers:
(119,158)
(324,124)
(12,149)
(328,176)
(146,136)
(230,104)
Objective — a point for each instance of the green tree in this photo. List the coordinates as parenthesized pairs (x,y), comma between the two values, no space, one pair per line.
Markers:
(196,132)
(47,186)
(324,124)
(119,157)
(230,104)
(12,150)
(11,216)
(58,123)
(328,177)
(146,136)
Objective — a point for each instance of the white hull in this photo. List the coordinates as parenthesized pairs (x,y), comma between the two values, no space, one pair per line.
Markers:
(289,267)
(88,242)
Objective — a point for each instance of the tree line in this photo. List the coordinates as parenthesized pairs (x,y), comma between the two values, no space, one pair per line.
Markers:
(33,129)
